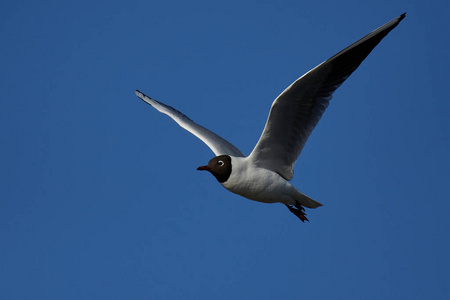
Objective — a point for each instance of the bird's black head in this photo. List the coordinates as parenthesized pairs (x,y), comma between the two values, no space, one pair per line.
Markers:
(219,166)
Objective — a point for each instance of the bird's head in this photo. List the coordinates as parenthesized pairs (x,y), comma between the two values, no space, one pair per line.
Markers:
(219,166)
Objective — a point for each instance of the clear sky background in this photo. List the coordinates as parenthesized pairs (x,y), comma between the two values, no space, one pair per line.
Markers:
(99,193)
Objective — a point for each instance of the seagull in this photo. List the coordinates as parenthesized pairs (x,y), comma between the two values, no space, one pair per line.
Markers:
(264,175)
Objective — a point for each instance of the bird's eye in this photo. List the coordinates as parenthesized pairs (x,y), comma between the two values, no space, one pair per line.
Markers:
(220,163)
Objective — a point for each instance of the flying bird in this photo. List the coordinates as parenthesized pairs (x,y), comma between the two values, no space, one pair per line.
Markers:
(264,175)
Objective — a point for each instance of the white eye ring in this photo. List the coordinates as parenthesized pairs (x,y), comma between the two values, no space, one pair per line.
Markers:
(220,162)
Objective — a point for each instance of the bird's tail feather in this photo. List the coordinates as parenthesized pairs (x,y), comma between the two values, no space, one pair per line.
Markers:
(306,201)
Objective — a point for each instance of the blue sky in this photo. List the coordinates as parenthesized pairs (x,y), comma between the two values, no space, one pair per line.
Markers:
(99,193)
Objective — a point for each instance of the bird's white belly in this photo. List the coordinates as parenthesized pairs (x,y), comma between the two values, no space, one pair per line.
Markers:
(259,184)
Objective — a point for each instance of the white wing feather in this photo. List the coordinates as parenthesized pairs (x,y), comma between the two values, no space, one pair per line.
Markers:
(296,111)
(218,145)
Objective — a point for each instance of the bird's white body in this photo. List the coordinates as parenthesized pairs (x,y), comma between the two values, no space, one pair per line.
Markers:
(264,175)
(259,184)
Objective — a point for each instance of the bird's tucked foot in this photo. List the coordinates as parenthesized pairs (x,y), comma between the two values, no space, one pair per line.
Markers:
(299,211)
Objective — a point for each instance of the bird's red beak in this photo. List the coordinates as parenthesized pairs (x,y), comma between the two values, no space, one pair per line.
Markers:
(204,168)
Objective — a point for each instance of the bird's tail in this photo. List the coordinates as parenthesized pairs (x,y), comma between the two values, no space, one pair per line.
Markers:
(306,201)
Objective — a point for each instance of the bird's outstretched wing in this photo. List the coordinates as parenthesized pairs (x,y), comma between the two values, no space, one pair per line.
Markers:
(296,111)
(217,144)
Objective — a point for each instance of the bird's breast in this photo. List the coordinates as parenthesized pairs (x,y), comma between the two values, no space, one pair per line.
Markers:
(257,183)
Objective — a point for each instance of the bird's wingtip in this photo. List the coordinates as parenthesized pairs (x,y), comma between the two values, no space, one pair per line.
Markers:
(140,94)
